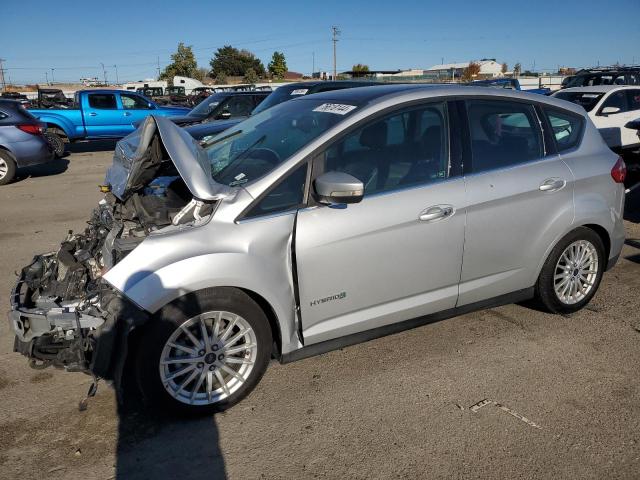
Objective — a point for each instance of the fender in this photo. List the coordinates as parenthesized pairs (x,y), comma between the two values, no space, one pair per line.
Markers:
(249,256)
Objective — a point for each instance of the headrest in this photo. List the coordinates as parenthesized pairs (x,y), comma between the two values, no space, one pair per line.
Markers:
(374,136)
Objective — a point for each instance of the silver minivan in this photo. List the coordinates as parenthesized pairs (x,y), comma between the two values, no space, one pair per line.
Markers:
(325,221)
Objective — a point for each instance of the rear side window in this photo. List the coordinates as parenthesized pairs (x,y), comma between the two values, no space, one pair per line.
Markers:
(616,100)
(102,101)
(503,134)
(566,127)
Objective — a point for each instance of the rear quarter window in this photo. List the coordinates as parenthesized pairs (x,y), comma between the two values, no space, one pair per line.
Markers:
(567,128)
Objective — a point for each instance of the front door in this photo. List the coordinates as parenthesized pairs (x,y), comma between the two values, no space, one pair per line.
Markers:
(101,115)
(397,254)
(135,108)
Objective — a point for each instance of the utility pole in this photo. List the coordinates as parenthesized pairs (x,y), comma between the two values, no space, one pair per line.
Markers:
(104,74)
(158,59)
(117,80)
(46,75)
(336,31)
(313,63)
(53,80)
(2,82)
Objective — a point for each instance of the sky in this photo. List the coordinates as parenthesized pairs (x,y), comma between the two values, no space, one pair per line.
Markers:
(75,37)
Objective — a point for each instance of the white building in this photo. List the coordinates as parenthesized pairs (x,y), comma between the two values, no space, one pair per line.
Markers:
(489,68)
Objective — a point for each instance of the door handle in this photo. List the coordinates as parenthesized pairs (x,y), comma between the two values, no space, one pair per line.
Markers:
(93,114)
(552,185)
(127,114)
(437,212)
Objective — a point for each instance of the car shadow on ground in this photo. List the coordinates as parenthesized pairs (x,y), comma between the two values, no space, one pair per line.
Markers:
(54,167)
(151,446)
(91,146)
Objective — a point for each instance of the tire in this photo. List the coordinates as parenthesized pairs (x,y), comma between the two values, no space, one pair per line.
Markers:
(56,141)
(167,386)
(7,167)
(566,287)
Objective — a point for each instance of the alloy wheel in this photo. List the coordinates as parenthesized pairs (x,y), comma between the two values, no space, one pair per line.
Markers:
(4,168)
(576,272)
(208,358)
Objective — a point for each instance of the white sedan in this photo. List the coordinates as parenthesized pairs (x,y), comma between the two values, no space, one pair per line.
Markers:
(610,107)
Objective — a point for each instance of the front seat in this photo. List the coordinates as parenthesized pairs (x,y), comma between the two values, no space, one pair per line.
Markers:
(429,164)
(370,165)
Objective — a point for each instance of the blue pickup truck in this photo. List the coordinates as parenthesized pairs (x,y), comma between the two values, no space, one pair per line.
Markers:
(99,114)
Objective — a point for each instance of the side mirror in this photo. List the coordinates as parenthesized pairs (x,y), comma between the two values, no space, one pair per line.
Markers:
(334,188)
(633,125)
(224,115)
(610,110)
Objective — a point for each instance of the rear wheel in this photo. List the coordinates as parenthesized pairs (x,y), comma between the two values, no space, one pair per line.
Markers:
(7,167)
(571,275)
(55,139)
(204,353)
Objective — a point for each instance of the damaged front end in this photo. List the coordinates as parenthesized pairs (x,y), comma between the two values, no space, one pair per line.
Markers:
(63,312)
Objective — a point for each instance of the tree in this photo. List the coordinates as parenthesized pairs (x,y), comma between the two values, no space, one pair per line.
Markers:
(277,65)
(201,74)
(234,63)
(517,68)
(472,70)
(183,63)
(250,76)
(360,70)
(221,79)
(504,68)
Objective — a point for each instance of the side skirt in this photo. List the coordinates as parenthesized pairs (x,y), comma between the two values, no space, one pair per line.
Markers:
(355,338)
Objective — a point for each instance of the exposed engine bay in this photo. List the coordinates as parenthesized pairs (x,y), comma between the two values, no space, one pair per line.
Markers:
(63,313)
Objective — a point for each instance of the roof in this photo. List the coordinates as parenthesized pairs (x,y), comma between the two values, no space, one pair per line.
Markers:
(599,88)
(416,91)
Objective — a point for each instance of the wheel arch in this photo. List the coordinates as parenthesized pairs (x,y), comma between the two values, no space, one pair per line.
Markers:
(57,129)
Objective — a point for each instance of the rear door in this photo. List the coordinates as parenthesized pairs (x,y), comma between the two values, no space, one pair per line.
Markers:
(519,196)
(397,254)
(101,115)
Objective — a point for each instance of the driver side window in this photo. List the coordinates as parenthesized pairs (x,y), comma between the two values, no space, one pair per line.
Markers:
(134,102)
(401,150)
(617,100)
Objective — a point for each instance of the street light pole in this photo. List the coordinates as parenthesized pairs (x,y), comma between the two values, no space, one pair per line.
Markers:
(336,32)
(53,80)
(117,80)
(46,75)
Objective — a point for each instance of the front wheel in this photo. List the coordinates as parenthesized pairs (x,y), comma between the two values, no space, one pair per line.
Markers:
(571,275)
(205,352)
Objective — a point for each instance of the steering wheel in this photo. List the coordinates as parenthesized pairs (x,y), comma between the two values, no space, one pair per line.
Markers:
(265,154)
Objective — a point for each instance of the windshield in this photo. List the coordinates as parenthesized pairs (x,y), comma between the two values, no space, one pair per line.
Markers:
(256,146)
(208,105)
(586,100)
(279,95)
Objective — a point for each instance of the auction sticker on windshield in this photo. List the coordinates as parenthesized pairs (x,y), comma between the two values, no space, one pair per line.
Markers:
(337,108)
(299,91)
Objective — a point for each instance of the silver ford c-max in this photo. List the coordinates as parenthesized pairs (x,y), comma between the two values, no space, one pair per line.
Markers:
(324,221)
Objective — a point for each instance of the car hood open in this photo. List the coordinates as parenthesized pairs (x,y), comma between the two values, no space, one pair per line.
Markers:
(133,159)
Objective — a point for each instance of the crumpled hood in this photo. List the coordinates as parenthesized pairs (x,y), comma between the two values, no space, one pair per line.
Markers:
(132,157)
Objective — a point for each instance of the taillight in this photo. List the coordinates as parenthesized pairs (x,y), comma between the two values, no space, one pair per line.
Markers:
(619,171)
(32,129)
